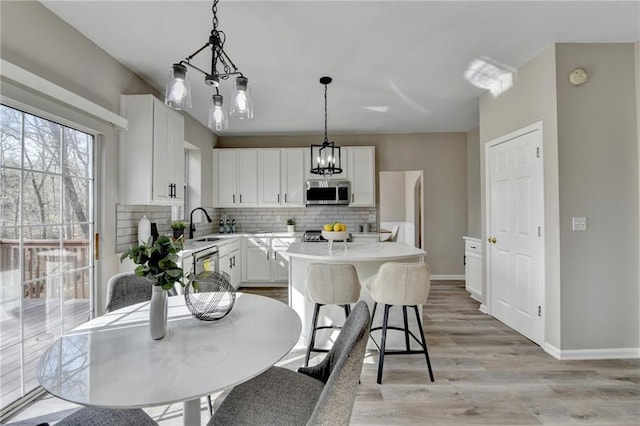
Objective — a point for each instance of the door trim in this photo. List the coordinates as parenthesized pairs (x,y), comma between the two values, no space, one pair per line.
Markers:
(537,126)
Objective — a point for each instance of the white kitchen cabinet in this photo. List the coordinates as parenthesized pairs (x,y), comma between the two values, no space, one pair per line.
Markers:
(264,261)
(151,152)
(229,261)
(281,182)
(237,177)
(361,174)
(473,267)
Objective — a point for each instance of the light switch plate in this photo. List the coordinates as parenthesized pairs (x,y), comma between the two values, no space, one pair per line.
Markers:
(372,218)
(579,223)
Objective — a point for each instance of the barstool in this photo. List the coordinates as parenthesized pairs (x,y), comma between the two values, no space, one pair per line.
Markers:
(329,284)
(400,284)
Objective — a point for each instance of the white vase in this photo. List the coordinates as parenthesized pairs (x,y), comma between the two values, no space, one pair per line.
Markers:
(291,229)
(144,230)
(158,313)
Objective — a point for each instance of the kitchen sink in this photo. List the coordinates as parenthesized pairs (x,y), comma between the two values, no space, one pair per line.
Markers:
(208,239)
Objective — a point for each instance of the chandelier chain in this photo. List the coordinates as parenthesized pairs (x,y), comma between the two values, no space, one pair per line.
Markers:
(218,39)
(325,114)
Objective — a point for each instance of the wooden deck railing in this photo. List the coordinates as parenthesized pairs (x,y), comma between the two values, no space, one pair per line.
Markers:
(44,258)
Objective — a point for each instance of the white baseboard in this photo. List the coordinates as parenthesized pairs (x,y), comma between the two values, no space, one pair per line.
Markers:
(579,354)
(483,309)
(448,277)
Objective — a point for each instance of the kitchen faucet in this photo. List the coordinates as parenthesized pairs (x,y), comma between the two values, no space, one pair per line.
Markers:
(192,227)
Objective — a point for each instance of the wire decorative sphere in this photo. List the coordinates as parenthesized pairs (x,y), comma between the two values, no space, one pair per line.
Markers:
(210,296)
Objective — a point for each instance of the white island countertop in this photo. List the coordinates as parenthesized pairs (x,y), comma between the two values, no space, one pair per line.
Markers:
(354,252)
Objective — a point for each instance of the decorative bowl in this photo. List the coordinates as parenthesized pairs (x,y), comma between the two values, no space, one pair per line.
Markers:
(333,235)
(210,296)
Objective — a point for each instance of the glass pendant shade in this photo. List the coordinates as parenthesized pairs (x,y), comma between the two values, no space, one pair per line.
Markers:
(218,119)
(178,93)
(242,102)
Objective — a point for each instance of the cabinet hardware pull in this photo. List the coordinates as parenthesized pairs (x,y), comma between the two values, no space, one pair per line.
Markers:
(240,198)
(278,197)
(267,254)
(352,197)
(230,263)
(285,197)
(234,198)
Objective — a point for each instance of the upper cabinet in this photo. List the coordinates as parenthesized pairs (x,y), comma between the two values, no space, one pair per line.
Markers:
(151,152)
(361,173)
(236,171)
(281,177)
(259,177)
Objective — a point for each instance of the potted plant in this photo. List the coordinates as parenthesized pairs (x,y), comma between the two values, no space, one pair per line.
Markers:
(158,262)
(178,228)
(291,225)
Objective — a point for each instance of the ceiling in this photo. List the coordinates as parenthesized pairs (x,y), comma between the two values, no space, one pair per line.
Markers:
(397,67)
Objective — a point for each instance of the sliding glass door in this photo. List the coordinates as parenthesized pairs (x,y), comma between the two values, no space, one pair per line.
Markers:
(46,241)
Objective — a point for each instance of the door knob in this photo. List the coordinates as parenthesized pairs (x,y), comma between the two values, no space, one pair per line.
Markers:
(492,240)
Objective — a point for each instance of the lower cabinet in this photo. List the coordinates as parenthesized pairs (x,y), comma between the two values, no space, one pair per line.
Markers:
(264,260)
(229,261)
(473,267)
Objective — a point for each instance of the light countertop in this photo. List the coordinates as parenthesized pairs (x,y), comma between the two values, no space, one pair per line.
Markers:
(354,252)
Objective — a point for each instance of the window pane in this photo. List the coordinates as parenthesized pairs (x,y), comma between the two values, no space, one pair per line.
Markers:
(75,308)
(77,153)
(42,144)
(76,199)
(9,197)
(41,204)
(41,315)
(10,384)
(10,136)
(79,246)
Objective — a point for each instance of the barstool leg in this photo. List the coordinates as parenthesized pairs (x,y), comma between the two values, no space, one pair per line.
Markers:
(373,313)
(312,340)
(347,310)
(424,342)
(406,327)
(385,320)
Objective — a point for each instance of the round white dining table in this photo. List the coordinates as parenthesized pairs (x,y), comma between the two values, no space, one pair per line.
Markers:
(112,362)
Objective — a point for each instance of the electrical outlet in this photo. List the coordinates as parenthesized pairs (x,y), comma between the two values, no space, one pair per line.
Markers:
(579,223)
(372,218)
(277,218)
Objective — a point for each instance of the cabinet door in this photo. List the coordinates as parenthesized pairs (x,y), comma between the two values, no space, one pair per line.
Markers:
(161,152)
(247,178)
(280,265)
(269,172)
(176,156)
(292,177)
(224,265)
(235,269)
(362,176)
(227,177)
(257,263)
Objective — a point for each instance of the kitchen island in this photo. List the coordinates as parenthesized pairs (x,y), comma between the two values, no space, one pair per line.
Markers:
(367,258)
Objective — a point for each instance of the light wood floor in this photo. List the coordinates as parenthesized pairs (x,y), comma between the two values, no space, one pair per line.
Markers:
(485,374)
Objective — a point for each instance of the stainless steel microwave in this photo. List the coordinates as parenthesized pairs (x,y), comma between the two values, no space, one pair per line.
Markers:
(328,192)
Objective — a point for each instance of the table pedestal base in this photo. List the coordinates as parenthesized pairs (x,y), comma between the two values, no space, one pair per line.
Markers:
(191,412)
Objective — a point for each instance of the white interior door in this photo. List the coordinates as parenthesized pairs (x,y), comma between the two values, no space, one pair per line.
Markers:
(515,231)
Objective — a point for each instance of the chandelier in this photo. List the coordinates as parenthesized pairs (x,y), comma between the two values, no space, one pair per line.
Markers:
(178,92)
(325,158)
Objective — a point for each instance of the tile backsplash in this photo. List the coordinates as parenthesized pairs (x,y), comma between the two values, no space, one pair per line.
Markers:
(247,220)
(266,219)
(128,216)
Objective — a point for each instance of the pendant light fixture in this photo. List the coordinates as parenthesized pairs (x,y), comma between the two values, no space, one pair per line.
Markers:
(325,158)
(178,92)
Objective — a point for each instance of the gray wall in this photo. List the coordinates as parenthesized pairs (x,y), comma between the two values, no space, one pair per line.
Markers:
(392,199)
(591,169)
(598,157)
(442,156)
(35,39)
(474,214)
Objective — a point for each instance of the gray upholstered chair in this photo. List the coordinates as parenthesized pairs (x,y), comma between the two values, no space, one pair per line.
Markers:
(126,289)
(329,284)
(400,284)
(88,416)
(323,394)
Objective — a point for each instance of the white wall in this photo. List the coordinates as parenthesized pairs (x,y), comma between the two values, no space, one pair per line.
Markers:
(35,39)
